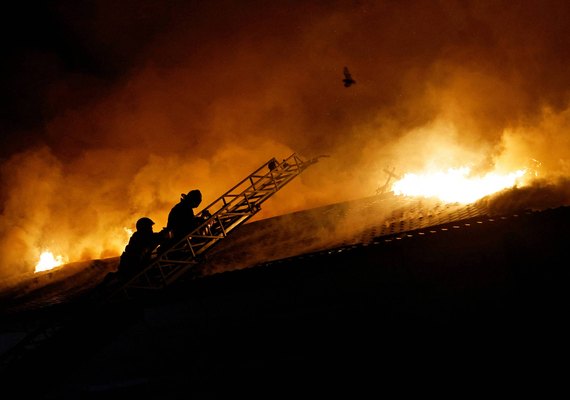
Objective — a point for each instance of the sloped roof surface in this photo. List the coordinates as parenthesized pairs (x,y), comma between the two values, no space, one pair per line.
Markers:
(331,226)
(382,290)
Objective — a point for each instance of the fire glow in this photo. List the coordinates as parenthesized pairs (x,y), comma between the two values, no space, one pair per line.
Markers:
(455,185)
(48,261)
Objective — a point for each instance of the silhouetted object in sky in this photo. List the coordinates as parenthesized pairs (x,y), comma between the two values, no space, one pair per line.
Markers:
(386,187)
(140,247)
(181,219)
(348,78)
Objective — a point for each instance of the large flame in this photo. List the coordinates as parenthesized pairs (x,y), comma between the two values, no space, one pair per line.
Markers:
(455,185)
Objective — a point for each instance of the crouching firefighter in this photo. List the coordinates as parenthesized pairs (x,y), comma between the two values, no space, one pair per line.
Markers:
(141,245)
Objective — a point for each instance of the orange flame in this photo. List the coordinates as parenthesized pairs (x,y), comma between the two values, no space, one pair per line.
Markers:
(48,261)
(455,185)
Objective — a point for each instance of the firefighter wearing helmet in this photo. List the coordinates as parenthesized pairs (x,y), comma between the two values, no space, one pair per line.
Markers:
(142,243)
(144,223)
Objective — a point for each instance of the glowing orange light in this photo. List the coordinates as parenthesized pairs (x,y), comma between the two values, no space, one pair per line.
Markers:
(48,261)
(455,185)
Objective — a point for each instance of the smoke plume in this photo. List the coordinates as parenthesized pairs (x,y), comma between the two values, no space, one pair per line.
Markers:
(123,106)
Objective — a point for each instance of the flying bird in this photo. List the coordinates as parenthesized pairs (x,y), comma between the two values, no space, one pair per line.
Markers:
(347,78)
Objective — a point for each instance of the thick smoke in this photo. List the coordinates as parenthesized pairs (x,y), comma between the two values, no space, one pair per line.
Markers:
(539,195)
(139,102)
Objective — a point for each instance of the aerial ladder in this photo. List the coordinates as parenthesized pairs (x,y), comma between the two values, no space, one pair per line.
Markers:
(226,213)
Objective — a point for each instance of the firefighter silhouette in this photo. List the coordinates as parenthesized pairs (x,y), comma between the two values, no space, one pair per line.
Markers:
(142,243)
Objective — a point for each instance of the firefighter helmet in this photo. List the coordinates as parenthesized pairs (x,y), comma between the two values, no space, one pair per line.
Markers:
(194,197)
(144,223)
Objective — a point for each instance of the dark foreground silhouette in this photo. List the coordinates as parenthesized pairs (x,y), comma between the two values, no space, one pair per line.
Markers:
(468,307)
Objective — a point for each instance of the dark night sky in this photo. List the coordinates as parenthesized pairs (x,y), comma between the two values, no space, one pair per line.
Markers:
(53,43)
(111,109)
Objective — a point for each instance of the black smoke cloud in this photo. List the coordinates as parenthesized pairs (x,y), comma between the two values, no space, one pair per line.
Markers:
(112,109)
